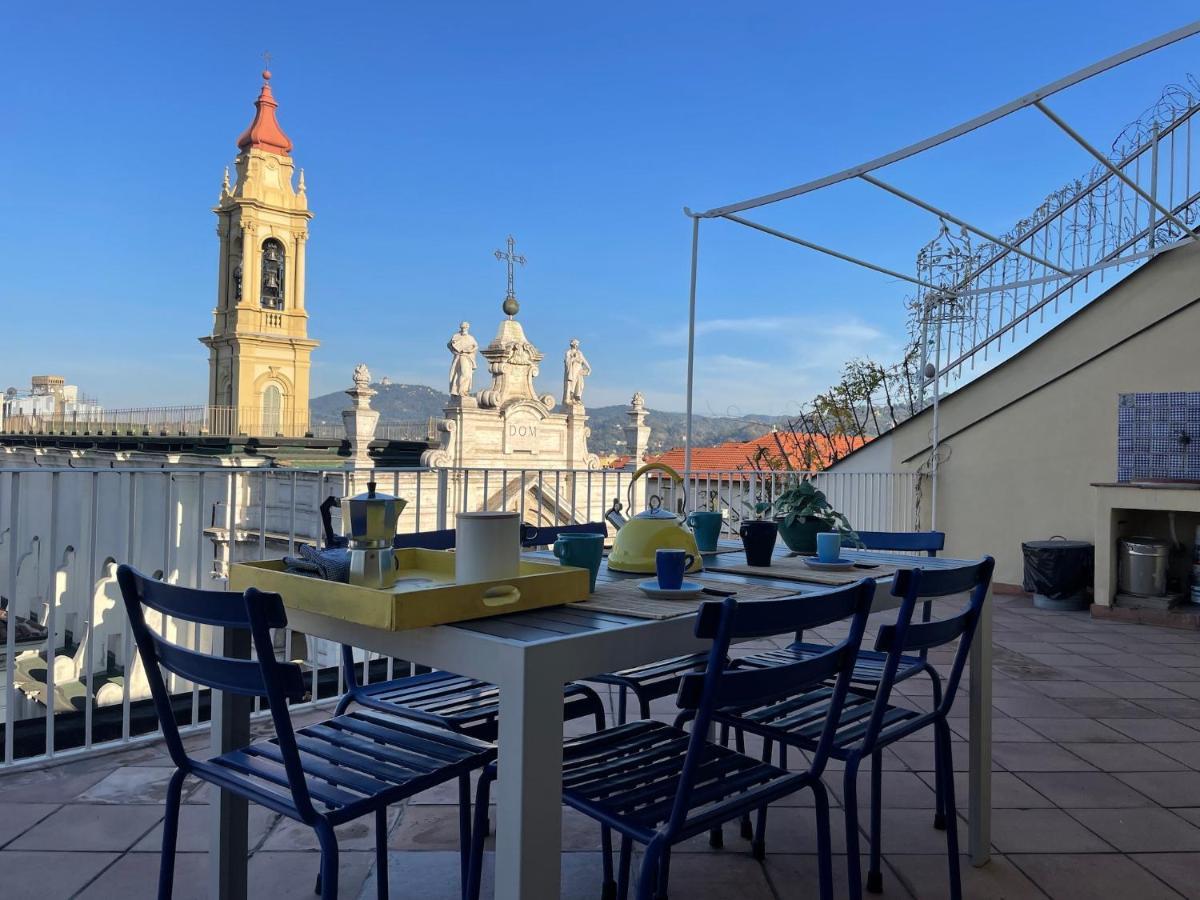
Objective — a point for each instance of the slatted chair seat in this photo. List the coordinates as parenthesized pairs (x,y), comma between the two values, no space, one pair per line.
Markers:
(629,777)
(463,704)
(351,764)
(651,681)
(868,668)
(803,719)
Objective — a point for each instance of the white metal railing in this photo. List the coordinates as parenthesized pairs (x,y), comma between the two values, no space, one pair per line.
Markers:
(78,687)
(872,501)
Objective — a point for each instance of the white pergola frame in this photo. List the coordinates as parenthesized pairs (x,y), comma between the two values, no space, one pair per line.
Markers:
(862,172)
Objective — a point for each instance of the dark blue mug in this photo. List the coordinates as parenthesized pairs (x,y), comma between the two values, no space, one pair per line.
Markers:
(670,566)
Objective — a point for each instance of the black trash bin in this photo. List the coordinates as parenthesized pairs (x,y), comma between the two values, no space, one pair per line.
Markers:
(1059,573)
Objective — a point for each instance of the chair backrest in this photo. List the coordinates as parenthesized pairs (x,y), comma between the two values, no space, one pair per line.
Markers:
(973,579)
(718,687)
(547,535)
(919,585)
(268,678)
(913,541)
(426,540)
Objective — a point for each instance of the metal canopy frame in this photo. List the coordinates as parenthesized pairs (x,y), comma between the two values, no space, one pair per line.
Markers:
(862,172)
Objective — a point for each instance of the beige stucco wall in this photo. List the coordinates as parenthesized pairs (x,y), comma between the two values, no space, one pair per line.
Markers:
(1026,440)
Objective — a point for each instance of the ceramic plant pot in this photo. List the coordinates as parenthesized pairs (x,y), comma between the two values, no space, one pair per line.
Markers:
(801,535)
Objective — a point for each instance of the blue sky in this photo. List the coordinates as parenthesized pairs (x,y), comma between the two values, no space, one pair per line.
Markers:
(428,132)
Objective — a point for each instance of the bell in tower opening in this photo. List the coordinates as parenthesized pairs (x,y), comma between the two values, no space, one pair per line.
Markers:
(272,274)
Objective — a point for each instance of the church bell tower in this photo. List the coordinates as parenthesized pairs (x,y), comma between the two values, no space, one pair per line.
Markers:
(259,349)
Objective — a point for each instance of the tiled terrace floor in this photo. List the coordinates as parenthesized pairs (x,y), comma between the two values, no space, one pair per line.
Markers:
(1096,790)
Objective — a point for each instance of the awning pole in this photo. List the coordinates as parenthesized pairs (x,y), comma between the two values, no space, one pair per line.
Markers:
(691,356)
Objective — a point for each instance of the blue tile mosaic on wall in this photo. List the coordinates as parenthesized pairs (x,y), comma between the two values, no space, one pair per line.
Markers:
(1158,436)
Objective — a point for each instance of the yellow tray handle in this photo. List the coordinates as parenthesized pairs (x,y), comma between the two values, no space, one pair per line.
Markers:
(501,595)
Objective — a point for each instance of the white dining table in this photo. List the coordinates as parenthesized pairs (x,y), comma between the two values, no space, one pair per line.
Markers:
(530,656)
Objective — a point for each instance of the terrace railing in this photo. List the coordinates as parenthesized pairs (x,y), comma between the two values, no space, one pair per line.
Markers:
(196,421)
(71,680)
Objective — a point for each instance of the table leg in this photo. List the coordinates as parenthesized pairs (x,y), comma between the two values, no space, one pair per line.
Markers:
(979,835)
(230,730)
(529,790)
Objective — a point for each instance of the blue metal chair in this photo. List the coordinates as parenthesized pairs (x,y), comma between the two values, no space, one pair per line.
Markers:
(321,775)
(658,785)
(868,722)
(927,542)
(869,668)
(426,540)
(546,535)
(442,698)
(661,679)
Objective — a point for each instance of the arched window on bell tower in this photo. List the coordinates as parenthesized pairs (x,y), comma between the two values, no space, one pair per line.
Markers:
(272,410)
(273,268)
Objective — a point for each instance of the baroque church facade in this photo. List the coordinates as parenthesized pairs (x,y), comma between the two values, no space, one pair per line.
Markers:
(259,349)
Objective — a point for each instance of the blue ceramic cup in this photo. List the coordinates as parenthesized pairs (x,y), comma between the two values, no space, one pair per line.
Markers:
(670,566)
(582,550)
(706,526)
(829,546)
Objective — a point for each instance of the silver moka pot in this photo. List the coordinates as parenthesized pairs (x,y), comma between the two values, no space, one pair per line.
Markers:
(370,522)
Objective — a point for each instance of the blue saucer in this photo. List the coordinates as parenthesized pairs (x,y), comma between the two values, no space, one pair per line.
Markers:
(689,590)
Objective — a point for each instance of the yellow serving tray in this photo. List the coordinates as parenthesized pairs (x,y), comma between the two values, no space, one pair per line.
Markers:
(412,603)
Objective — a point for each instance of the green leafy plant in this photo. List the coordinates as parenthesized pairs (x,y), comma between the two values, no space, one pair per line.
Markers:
(801,500)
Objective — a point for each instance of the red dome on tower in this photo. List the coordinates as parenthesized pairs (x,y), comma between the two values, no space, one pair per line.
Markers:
(264,132)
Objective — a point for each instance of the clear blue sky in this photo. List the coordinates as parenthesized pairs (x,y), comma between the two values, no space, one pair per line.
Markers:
(428,132)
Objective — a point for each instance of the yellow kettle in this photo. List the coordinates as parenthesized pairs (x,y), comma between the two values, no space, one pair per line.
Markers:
(652,530)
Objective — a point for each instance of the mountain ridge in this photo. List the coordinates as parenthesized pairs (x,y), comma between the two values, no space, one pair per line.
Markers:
(419,402)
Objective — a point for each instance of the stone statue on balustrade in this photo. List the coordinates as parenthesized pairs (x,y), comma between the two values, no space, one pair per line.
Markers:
(575,370)
(462,368)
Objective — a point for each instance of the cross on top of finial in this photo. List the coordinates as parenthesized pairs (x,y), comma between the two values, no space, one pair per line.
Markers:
(511,258)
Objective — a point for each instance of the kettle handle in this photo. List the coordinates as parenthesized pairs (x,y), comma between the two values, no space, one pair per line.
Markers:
(676,478)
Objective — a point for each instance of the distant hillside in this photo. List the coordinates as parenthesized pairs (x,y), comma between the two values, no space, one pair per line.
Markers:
(417,402)
(395,402)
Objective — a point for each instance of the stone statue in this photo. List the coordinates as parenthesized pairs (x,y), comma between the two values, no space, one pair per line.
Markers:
(362,376)
(639,400)
(462,370)
(575,370)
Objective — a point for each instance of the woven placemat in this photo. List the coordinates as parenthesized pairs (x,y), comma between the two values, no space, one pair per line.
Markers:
(792,568)
(624,597)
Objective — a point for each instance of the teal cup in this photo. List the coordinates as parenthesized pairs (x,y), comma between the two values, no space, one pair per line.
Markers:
(706,526)
(582,550)
(829,546)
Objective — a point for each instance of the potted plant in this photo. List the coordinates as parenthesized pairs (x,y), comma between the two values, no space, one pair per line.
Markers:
(802,512)
(758,534)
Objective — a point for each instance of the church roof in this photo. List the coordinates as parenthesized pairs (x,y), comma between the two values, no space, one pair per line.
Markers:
(264,132)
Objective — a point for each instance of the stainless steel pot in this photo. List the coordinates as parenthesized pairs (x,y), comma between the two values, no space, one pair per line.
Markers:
(1142,566)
